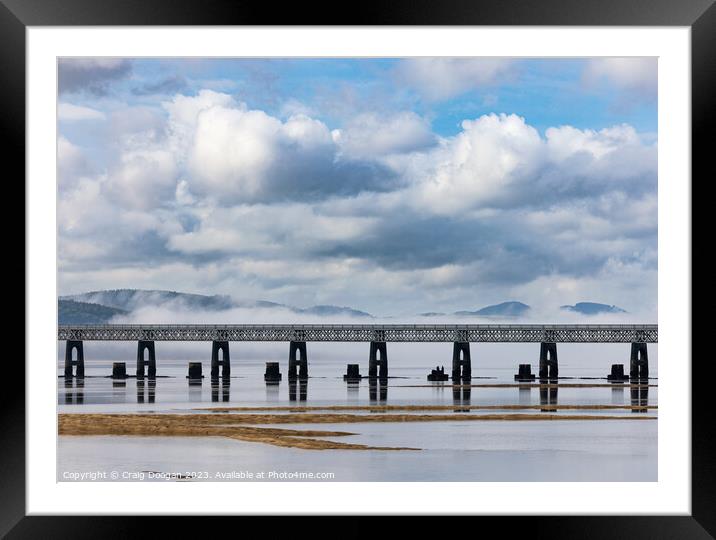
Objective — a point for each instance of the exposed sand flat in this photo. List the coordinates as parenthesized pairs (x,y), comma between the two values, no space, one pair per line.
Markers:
(235,426)
(384,408)
(191,426)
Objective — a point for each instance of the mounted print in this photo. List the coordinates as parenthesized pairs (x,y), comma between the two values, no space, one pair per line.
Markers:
(393,269)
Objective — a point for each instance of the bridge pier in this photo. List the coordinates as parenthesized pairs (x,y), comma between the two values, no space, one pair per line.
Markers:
(548,361)
(378,360)
(639,362)
(151,362)
(297,348)
(225,363)
(461,367)
(80,362)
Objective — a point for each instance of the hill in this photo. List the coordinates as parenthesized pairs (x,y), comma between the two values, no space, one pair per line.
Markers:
(72,312)
(505,309)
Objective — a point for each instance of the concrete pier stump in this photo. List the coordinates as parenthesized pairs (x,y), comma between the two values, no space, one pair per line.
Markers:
(195,371)
(119,370)
(352,373)
(524,373)
(438,374)
(617,373)
(273,372)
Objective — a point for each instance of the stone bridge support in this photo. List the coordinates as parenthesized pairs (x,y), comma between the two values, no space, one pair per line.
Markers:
(461,363)
(151,362)
(80,362)
(297,361)
(378,360)
(548,368)
(639,362)
(225,362)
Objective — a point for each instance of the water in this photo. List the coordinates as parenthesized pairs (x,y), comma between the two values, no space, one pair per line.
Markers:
(566,450)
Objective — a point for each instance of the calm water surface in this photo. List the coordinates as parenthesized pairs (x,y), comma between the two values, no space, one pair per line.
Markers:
(569,450)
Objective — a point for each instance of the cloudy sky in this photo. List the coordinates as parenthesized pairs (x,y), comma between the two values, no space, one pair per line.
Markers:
(394,186)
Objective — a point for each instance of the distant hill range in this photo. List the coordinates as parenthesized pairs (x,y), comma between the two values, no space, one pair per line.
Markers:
(131,299)
(71,312)
(592,308)
(99,307)
(505,309)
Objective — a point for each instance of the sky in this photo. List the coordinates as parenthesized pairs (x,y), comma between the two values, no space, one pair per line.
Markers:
(394,186)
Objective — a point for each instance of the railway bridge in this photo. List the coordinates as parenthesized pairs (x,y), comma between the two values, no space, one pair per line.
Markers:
(378,335)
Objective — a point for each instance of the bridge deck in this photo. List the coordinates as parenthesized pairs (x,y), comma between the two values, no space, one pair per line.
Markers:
(507,333)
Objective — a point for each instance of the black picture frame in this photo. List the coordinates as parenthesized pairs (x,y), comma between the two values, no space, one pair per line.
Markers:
(699,15)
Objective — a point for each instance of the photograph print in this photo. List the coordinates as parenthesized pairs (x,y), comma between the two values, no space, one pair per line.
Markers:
(357,269)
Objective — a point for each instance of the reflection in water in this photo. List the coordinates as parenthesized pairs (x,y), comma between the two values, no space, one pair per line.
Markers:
(547,395)
(438,390)
(195,390)
(378,389)
(301,386)
(223,385)
(525,394)
(353,387)
(272,391)
(461,396)
(618,395)
(119,384)
(146,390)
(640,398)
(78,396)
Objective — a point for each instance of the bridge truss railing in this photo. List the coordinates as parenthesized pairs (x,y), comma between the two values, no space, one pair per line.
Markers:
(491,333)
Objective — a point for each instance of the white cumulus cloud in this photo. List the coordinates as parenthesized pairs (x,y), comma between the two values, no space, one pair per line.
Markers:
(638,75)
(371,135)
(440,78)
